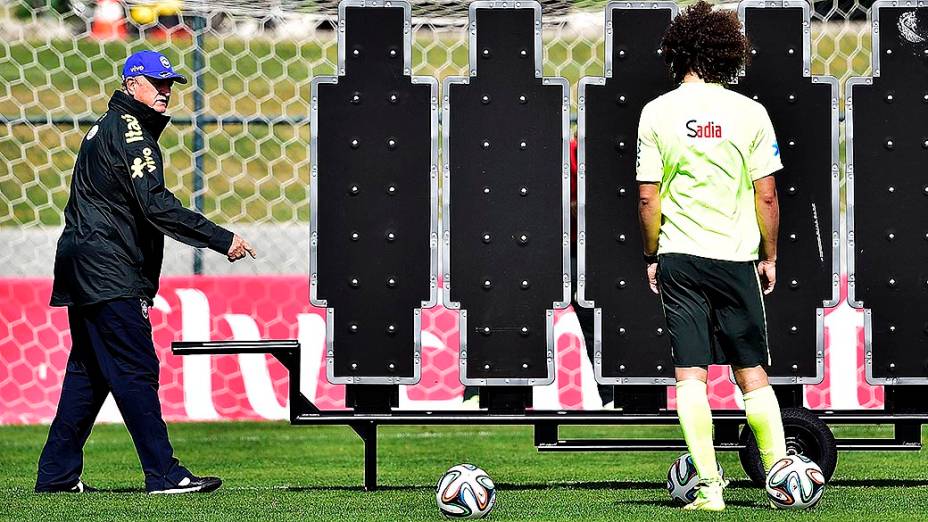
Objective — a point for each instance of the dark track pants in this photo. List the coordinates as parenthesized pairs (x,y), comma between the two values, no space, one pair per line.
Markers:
(111,351)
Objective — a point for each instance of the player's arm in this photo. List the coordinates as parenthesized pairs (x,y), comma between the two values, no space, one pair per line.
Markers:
(649,215)
(763,162)
(144,171)
(649,173)
(649,168)
(768,216)
(768,220)
(649,218)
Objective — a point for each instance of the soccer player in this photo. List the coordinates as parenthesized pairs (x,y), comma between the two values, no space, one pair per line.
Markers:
(106,272)
(709,219)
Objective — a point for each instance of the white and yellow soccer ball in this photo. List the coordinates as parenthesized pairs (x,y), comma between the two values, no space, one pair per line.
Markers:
(682,479)
(465,491)
(795,482)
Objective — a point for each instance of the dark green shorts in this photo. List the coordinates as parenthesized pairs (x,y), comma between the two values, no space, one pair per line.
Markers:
(714,310)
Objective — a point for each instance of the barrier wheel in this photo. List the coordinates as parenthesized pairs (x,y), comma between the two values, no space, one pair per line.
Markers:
(806,434)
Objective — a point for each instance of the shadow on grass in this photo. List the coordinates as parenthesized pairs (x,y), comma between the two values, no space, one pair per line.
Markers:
(123,490)
(674,505)
(879,483)
(309,489)
(603,485)
(96,492)
(596,486)
(850,483)
(600,485)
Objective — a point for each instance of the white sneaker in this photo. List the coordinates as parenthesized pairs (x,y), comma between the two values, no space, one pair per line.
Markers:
(708,497)
(191,484)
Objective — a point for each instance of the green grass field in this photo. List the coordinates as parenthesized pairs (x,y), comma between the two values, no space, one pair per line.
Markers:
(274,471)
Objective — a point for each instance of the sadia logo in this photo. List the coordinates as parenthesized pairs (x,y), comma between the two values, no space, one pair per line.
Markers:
(709,129)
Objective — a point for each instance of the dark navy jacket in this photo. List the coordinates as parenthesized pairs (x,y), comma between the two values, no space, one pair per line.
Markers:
(119,212)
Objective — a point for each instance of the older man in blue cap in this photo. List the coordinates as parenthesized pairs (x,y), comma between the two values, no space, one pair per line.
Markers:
(107,268)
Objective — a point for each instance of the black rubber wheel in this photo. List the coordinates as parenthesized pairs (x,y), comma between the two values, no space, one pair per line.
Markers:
(806,434)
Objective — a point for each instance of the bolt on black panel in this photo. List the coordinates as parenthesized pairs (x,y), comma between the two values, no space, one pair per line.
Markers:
(374,198)
(631,346)
(804,112)
(506,196)
(887,194)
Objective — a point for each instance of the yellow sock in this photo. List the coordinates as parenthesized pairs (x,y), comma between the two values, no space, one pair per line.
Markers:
(696,421)
(763,413)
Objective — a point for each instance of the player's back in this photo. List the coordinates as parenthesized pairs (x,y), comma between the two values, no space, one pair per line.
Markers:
(706,145)
(706,119)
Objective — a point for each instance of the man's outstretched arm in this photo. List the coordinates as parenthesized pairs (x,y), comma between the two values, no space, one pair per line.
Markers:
(161,208)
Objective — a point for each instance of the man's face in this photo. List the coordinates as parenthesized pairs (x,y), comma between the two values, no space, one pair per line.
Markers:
(153,92)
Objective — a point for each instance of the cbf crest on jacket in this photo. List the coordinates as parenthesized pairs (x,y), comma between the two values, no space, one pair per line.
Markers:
(119,212)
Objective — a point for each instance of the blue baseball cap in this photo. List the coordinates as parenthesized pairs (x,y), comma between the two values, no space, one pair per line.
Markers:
(151,64)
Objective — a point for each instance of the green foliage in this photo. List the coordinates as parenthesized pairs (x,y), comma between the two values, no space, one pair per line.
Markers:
(252,173)
(25,8)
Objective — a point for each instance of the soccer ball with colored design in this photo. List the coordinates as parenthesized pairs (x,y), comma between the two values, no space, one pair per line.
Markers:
(795,482)
(682,479)
(465,491)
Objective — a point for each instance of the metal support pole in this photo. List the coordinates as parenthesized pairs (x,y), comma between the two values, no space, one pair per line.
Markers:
(789,395)
(726,432)
(199,27)
(908,433)
(368,434)
(546,433)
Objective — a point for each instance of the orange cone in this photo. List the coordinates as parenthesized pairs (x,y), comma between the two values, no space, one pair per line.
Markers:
(109,21)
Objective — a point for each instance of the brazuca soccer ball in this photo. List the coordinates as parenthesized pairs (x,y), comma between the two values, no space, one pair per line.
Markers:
(682,479)
(795,482)
(465,491)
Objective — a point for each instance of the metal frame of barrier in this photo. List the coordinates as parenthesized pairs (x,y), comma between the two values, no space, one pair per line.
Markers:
(905,411)
(642,405)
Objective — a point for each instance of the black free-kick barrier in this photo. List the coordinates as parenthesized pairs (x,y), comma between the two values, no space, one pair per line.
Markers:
(505,240)
(506,199)
(374,199)
(804,111)
(887,192)
(610,272)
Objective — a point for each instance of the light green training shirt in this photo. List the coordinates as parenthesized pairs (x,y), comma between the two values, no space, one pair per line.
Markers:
(706,145)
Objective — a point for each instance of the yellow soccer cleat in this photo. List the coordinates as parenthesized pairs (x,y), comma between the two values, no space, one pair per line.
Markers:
(708,497)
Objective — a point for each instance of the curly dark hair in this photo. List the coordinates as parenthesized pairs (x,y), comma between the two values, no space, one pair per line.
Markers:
(706,42)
